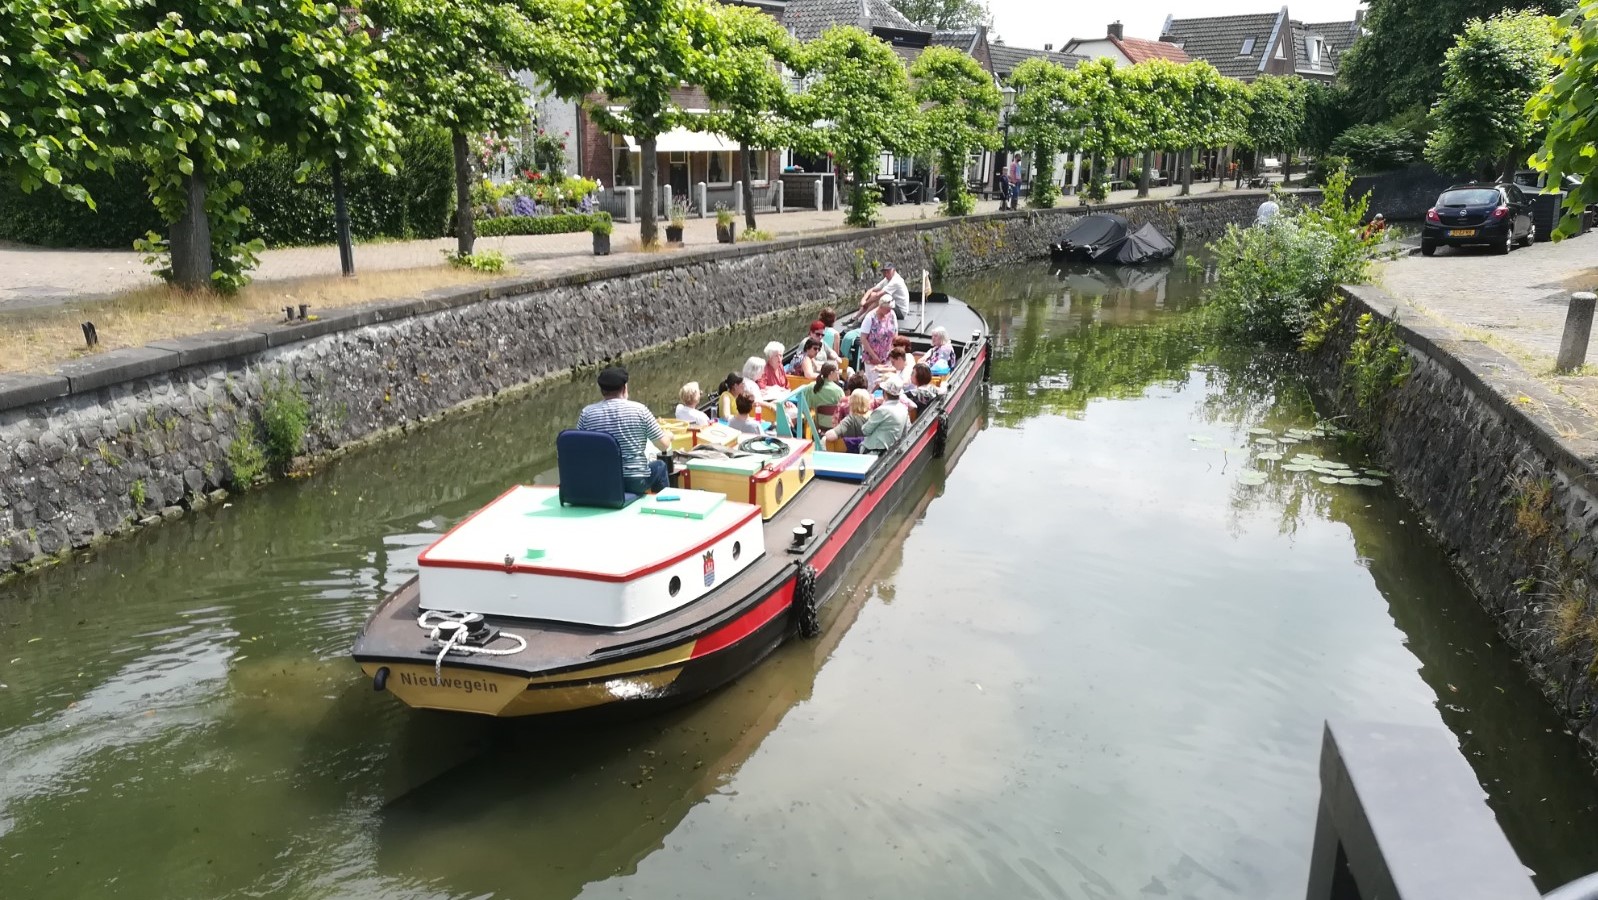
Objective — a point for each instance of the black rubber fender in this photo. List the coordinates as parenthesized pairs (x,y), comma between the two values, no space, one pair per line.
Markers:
(806,614)
(380,679)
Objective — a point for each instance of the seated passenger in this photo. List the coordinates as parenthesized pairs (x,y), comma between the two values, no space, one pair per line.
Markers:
(773,375)
(887,423)
(853,425)
(824,395)
(923,393)
(633,426)
(942,355)
(743,421)
(829,334)
(818,332)
(900,342)
(897,359)
(730,388)
(808,362)
(688,405)
(856,382)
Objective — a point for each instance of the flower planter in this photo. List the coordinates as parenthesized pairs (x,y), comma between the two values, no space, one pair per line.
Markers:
(673,234)
(726,234)
(601,245)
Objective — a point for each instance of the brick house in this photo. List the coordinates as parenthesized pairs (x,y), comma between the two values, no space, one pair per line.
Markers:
(1248,46)
(1124,50)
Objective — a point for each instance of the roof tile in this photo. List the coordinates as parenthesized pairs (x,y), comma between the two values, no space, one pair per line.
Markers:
(1219,40)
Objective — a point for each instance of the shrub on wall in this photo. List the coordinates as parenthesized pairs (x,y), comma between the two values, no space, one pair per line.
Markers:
(564,223)
(415,202)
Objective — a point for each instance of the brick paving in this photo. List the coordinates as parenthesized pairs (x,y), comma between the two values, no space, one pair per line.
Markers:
(34,278)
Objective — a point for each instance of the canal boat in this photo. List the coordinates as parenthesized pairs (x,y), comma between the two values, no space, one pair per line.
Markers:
(558,599)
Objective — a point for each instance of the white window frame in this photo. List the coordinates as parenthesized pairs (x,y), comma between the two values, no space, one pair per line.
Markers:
(726,167)
(760,168)
(618,146)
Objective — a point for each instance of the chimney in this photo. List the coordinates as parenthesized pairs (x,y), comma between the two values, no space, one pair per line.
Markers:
(1359,21)
(1048,48)
(1117,30)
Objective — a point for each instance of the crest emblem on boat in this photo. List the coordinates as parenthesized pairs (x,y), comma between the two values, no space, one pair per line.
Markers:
(710,568)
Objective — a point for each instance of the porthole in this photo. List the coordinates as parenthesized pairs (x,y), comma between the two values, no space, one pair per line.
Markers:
(674,586)
(779,491)
(737,549)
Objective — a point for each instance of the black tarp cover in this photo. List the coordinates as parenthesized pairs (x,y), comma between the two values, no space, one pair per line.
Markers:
(1141,246)
(1097,230)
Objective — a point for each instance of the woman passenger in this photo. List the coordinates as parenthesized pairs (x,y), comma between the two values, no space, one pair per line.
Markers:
(773,374)
(942,352)
(829,334)
(809,360)
(853,425)
(688,405)
(824,396)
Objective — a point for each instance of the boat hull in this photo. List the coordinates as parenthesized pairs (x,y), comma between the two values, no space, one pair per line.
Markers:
(672,670)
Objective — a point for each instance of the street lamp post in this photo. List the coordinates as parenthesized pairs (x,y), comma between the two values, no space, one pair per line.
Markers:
(1005,112)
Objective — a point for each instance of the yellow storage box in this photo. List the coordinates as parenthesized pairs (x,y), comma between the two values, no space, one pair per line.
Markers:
(768,482)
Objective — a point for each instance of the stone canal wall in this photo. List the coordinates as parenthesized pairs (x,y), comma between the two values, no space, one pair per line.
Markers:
(126,437)
(1503,469)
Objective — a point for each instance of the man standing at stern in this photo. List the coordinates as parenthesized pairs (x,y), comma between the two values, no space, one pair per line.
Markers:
(632,425)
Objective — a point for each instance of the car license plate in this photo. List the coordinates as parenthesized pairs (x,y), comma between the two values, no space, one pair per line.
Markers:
(1462,232)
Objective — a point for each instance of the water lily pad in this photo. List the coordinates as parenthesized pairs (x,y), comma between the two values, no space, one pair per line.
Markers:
(1295,467)
(1330,479)
(1287,440)
(1252,479)
(1350,481)
(1264,431)
(1377,473)
(1370,482)
(1265,442)
(1272,457)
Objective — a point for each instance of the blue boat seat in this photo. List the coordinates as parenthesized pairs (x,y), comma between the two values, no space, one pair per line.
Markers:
(590,470)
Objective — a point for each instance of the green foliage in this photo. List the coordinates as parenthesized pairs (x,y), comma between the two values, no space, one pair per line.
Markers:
(860,88)
(1321,323)
(1490,74)
(1276,120)
(1395,65)
(1328,112)
(1565,108)
(562,223)
(136,493)
(285,415)
(1042,94)
(960,112)
(1271,279)
(1324,167)
(723,215)
(245,459)
(755,234)
(1374,148)
(753,102)
(1044,192)
(487,262)
(600,223)
(942,261)
(1377,362)
(945,15)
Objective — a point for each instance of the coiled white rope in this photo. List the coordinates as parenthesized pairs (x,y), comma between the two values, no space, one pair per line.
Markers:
(435,632)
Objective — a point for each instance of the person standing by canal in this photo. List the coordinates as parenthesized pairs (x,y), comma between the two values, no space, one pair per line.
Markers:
(633,426)
(1014,182)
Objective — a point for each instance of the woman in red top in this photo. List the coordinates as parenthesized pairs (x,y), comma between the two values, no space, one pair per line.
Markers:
(775,375)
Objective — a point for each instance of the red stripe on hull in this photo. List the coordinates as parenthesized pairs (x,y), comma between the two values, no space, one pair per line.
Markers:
(746,624)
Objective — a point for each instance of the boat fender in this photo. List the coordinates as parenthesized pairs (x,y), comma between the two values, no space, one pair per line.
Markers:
(940,435)
(380,680)
(806,617)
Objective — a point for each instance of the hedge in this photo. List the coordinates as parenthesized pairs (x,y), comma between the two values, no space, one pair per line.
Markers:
(562,223)
(417,202)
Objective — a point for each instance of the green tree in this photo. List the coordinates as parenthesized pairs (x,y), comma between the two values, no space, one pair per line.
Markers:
(1096,121)
(1276,119)
(1564,107)
(53,57)
(960,110)
(451,63)
(1396,64)
(945,15)
(655,47)
(1041,104)
(860,89)
(1491,72)
(754,104)
(1218,112)
(195,88)
(1326,115)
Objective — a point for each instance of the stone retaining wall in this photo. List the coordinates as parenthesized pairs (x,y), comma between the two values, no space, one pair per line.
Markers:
(1504,471)
(129,436)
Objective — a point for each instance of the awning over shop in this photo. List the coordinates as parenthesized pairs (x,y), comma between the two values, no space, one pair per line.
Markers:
(681,140)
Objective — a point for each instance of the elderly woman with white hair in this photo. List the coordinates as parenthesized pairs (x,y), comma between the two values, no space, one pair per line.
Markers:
(942,354)
(773,375)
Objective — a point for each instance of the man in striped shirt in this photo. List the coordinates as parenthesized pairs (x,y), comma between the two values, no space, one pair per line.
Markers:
(632,425)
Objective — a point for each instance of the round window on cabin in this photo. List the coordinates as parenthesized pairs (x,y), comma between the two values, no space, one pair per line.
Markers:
(779,491)
(737,549)
(674,586)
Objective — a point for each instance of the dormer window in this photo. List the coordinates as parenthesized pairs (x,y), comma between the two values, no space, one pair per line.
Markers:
(1281,52)
(1317,50)
(1248,47)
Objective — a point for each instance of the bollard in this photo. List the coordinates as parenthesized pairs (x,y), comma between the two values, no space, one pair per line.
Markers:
(817,196)
(779,196)
(665,200)
(632,204)
(1578,328)
(738,198)
(703,192)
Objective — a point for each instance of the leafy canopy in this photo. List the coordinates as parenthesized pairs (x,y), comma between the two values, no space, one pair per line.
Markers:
(1277,118)
(1490,74)
(960,112)
(753,101)
(945,15)
(656,47)
(1565,108)
(859,89)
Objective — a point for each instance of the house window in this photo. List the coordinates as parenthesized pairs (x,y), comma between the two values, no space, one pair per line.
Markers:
(719,168)
(1248,47)
(1281,52)
(759,165)
(626,163)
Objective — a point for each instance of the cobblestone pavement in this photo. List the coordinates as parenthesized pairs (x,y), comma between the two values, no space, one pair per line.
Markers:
(1517,301)
(33,278)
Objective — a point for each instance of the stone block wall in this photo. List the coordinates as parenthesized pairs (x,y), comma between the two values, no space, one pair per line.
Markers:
(130,436)
(1508,484)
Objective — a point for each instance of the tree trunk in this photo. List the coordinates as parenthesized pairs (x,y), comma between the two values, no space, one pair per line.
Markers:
(465,228)
(341,220)
(1187,172)
(649,174)
(1143,180)
(190,237)
(749,189)
(1287,168)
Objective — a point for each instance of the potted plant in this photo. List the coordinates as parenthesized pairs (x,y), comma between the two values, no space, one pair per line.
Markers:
(726,231)
(600,227)
(679,216)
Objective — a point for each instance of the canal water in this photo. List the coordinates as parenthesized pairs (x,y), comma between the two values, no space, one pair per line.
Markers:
(1092,661)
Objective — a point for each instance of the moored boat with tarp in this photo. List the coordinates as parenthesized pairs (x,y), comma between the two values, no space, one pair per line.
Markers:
(554,599)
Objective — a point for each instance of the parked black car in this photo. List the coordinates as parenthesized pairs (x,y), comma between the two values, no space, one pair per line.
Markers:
(1491,215)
